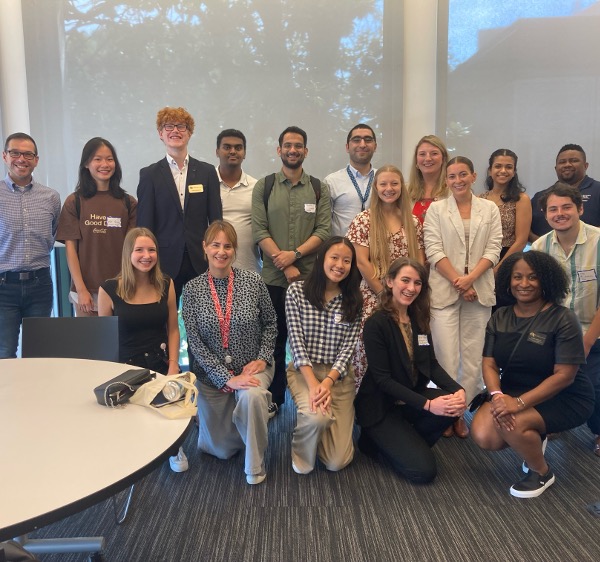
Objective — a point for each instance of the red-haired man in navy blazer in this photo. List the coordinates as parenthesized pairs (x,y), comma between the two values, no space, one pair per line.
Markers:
(178,197)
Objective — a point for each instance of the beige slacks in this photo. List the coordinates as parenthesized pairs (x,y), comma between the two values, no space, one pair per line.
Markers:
(327,435)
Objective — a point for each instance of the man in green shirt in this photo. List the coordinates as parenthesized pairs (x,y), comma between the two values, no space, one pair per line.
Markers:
(289,225)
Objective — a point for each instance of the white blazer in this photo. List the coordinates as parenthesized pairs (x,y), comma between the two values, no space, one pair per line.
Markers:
(444,236)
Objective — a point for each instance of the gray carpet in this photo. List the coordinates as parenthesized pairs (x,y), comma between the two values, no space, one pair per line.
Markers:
(363,513)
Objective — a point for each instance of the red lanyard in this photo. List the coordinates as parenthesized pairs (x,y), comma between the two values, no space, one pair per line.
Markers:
(224,321)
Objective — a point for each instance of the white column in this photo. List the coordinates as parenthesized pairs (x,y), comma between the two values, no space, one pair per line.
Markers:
(420,73)
(13,77)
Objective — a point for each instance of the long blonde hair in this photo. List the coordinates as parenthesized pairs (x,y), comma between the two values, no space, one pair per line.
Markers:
(416,183)
(126,278)
(378,231)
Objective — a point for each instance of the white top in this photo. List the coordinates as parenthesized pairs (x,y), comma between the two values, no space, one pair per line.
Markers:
(60,446)
(237,209)
(179,175)
(345,203)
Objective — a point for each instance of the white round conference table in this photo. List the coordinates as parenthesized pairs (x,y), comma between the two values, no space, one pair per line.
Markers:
(61,451)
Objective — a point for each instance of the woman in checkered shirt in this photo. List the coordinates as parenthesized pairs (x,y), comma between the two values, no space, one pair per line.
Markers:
(323,317)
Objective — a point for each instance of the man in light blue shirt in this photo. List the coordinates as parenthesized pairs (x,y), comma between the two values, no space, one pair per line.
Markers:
(350,188)
(28,220)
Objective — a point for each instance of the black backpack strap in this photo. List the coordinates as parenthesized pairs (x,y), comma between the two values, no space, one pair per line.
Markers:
(316,185)
(269,182)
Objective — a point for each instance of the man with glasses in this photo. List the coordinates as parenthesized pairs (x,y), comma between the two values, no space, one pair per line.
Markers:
(29,214)
(177,199)
(350,188)
(291,217)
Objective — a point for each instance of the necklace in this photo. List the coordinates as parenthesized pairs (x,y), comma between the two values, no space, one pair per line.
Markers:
(224,319)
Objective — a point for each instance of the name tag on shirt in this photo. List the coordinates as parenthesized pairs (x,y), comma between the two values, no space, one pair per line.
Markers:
(196,188)
(338,319)
(586,275)
(113,222)
(539,339)
(422,339)
(310,208)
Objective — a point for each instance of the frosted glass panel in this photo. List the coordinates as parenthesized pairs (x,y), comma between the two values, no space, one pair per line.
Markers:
(525,76)
(255,65)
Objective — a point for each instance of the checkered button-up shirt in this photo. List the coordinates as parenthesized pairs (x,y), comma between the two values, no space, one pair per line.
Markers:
(319,336)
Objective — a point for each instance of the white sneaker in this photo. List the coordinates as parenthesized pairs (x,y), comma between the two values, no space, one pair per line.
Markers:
(256,478)
(179,462)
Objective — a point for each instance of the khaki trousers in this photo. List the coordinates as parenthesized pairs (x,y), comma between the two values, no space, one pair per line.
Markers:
(327,435)
(230,422)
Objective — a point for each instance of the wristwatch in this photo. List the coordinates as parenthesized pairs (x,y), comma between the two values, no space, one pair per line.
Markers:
(297,254)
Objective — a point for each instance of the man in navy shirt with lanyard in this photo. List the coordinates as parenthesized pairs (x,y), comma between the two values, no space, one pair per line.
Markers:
(350,187)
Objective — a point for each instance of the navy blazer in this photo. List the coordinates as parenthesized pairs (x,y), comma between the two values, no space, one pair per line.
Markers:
(159,209)
(388,377)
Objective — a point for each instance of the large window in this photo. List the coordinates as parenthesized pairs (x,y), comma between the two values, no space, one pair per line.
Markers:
(524,76)
(104,68)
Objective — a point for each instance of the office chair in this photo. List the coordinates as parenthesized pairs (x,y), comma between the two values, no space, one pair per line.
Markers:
(88,337)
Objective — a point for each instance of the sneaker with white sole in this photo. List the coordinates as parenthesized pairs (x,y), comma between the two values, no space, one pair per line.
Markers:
(273,409)
(256,478)
(525,467)
(533,484)
(179,462)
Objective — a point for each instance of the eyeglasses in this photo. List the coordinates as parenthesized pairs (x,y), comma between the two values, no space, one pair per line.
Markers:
(180,127)
(357,140)
(17,153)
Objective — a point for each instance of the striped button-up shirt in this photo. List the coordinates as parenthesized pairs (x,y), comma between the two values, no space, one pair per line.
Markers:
(581,265)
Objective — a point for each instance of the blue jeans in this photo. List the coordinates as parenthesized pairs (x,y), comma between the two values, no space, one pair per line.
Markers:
(18,300)
(592,370)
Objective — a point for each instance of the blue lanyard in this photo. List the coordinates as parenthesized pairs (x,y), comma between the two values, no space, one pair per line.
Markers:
(363,200)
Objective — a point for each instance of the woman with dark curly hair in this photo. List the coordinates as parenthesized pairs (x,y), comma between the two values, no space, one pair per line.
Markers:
(531,357)
(401,417)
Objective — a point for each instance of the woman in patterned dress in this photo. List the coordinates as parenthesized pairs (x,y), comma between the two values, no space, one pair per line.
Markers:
(384,232)
(231,329)
(505,189)
(427,182)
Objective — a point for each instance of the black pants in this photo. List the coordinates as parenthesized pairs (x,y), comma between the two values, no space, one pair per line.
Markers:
(405,437)
(279,383)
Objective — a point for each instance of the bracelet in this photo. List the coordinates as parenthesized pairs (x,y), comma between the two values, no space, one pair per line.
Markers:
(521,403)
(494,392)
(330,378)
(173,361)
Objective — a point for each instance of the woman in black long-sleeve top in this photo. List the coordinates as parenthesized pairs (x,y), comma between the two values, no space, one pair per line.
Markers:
(401,418)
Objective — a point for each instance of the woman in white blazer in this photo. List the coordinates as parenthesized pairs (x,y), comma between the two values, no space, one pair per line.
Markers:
(463,239)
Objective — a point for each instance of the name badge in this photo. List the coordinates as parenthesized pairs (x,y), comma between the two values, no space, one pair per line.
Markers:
(586,275)
(310,208)
(422,339)
(113,222)
(196,188)
(338,319)
(538,339)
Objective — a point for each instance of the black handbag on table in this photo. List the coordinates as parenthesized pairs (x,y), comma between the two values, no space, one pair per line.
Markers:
(120,389)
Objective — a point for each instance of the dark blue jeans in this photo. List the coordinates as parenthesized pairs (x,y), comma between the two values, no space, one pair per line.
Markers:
(18,300)
(592,370)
